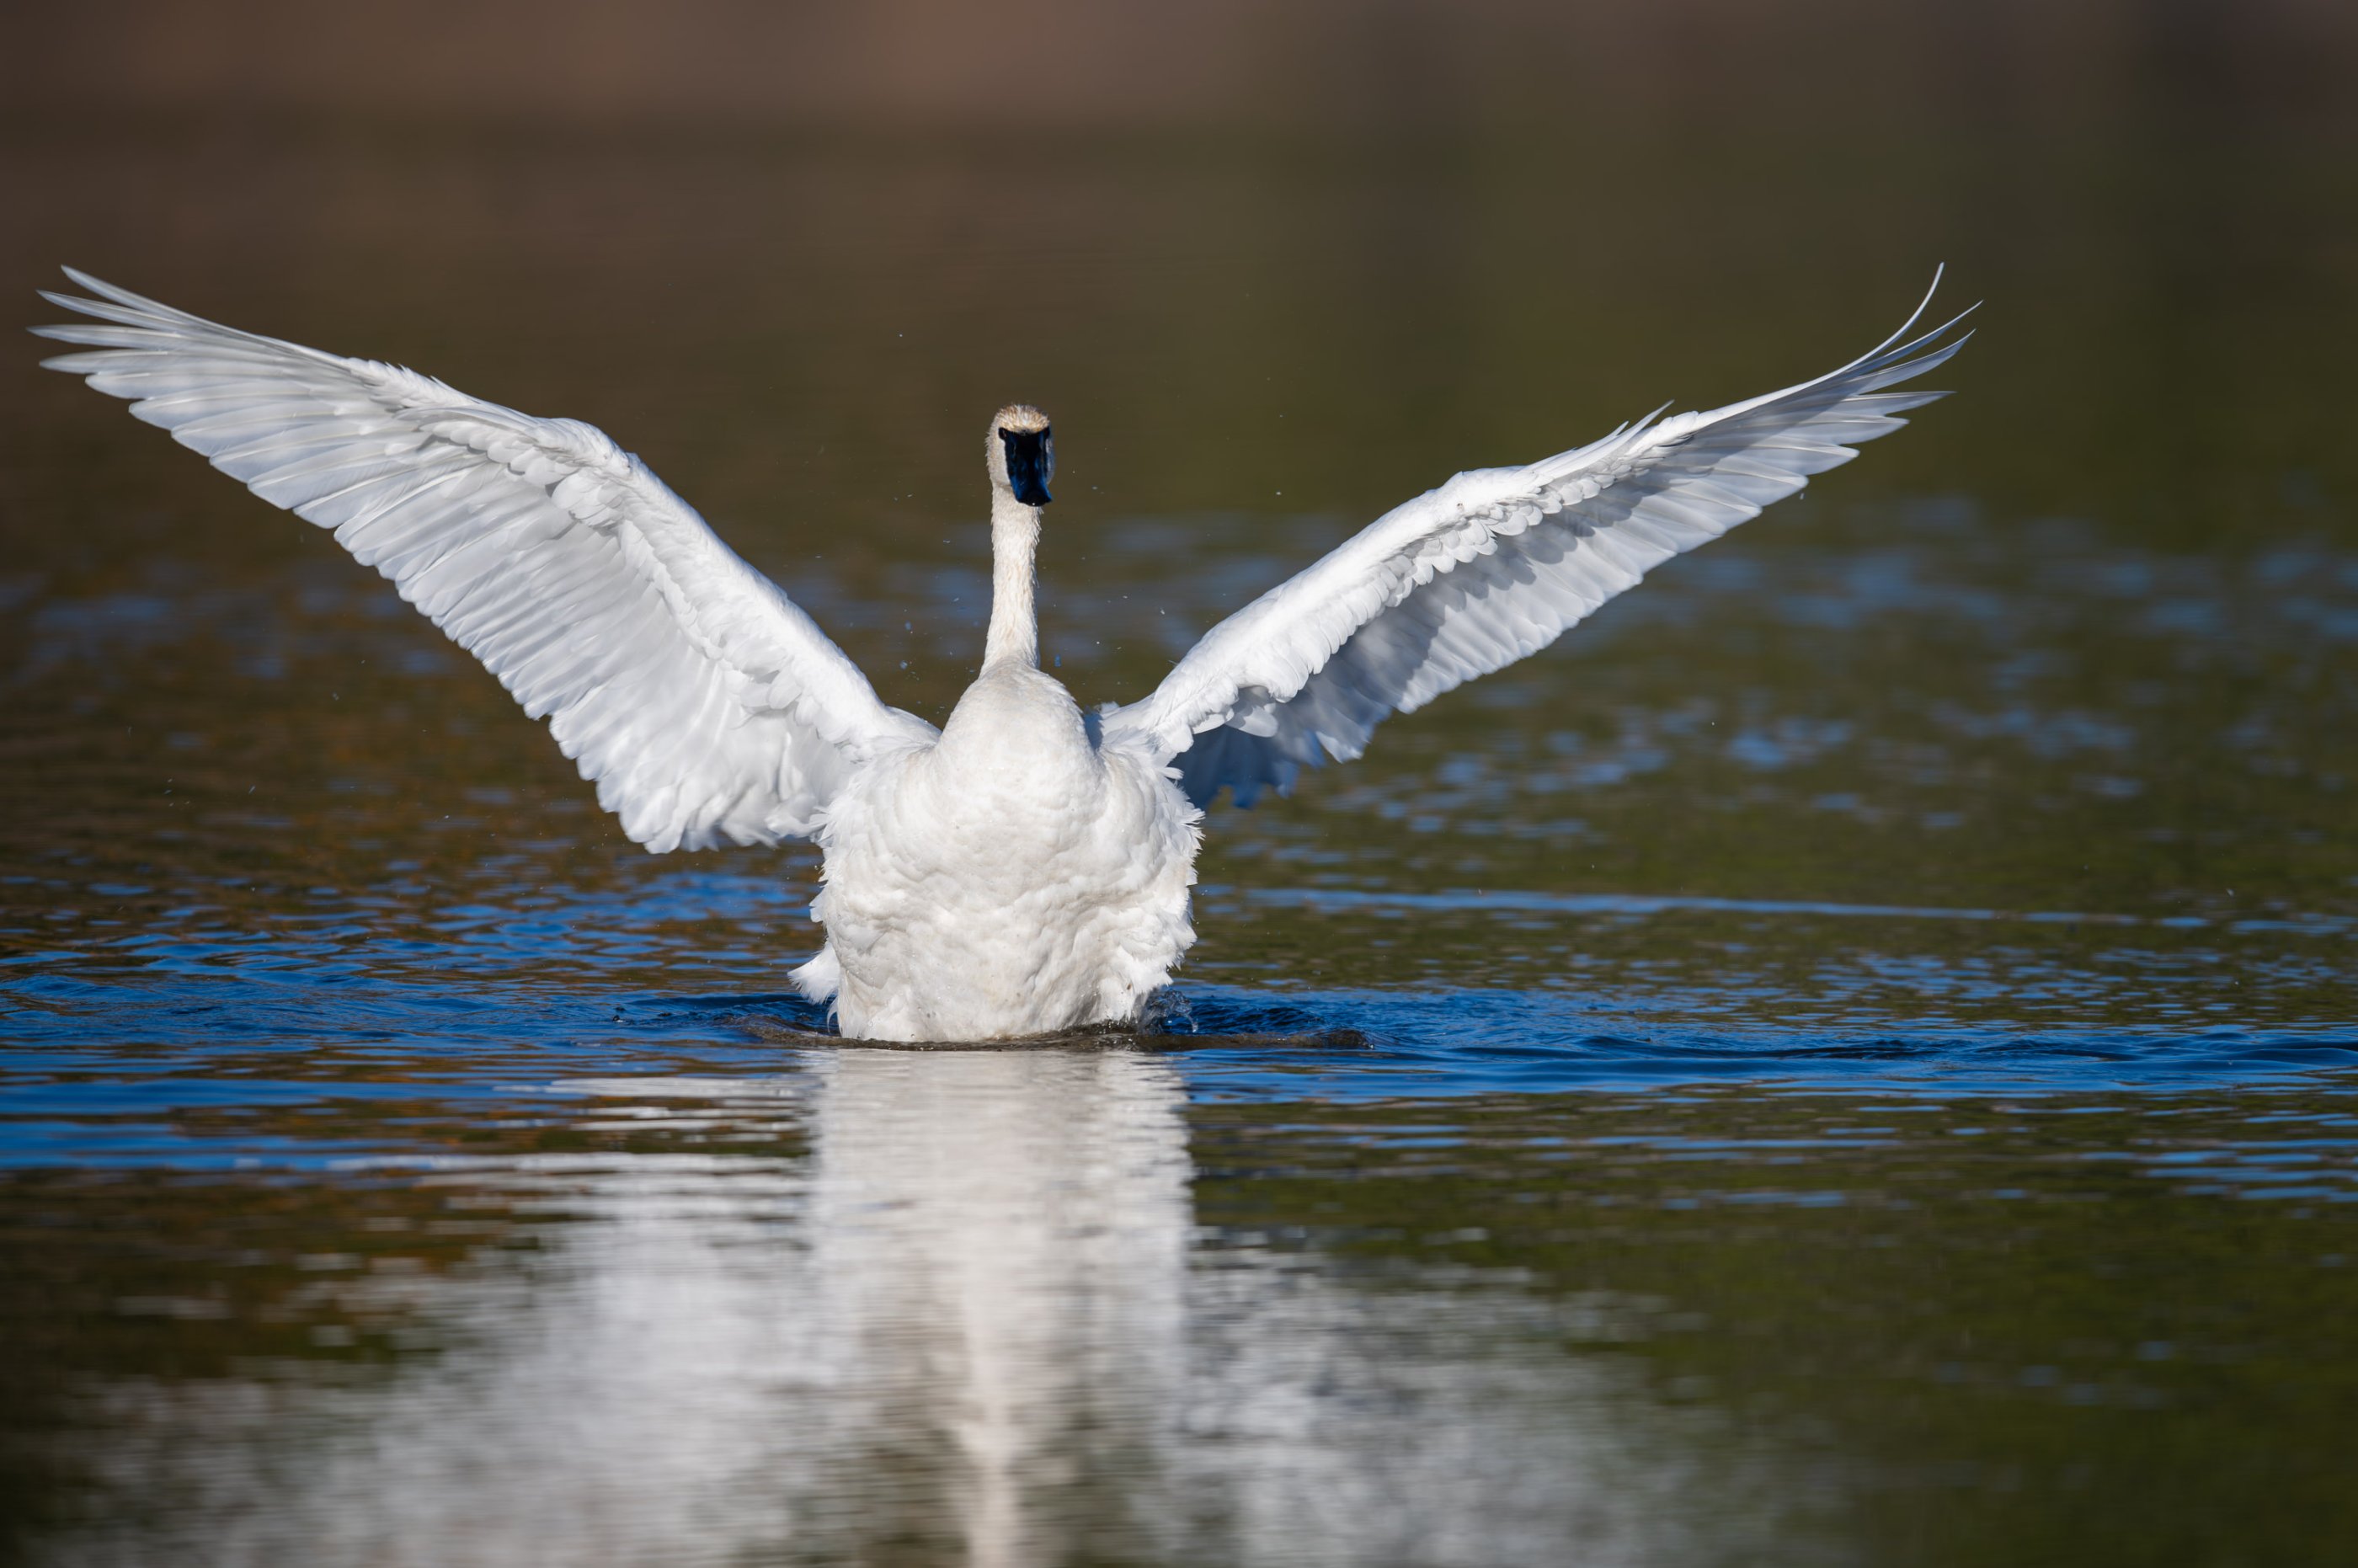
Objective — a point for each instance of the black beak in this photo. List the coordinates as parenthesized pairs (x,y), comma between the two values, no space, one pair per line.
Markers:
(1031,460)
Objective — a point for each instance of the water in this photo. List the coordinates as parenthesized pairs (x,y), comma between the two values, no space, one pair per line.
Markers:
(1851,1058)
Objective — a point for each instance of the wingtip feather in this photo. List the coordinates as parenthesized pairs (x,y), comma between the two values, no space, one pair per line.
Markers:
(119,295)
(1939,270)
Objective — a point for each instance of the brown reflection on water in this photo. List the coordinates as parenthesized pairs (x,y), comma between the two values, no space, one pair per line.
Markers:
(1015,1308)
(1943,1292)
(971,1326)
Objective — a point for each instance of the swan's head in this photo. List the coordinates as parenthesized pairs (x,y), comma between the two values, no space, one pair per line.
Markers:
(1022,453)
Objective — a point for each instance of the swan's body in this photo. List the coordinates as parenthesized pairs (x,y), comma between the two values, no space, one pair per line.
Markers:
(1024,868)
(1011,879)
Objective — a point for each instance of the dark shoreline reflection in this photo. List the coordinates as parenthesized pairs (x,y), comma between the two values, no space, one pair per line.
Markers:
(977,1321)
(1128,1304)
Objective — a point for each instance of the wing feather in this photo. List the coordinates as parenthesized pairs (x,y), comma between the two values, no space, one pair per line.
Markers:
(704,704)
(1491,568)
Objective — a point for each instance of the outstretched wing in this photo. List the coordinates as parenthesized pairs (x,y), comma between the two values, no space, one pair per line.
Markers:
(1494,566)
(705,704)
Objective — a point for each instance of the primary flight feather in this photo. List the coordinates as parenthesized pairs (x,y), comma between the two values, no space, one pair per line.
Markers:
(1024,868)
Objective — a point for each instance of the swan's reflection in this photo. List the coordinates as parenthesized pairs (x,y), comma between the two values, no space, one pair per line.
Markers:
(967,1329)
(999,1249)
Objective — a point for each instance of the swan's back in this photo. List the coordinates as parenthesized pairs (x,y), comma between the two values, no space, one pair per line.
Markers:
(1011,879)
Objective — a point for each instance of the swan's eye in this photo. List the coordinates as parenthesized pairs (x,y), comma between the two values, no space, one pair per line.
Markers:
(1031,463)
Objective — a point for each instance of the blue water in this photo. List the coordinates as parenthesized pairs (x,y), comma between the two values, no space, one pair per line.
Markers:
(115,1031)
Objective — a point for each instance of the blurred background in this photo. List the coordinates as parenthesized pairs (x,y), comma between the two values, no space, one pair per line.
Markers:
(1274,269)
(358,1074)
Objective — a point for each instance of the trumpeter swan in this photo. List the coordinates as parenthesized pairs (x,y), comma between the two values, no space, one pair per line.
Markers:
(1026,868)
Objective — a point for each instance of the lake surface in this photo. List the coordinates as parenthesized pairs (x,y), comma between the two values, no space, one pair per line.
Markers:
(1851,1057)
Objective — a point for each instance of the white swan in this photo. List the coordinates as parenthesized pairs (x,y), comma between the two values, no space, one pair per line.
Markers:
(1025,868)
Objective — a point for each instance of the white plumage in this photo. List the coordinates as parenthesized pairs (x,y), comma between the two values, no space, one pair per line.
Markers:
(1025,868)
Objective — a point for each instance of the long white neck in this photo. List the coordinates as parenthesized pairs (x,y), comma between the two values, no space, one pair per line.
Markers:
(1014,540)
